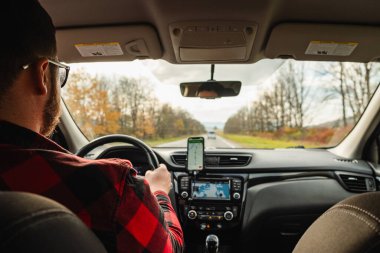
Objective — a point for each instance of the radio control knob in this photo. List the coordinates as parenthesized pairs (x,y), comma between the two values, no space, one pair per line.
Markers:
(236,195)
(192,214)
(184,194)
(228,215)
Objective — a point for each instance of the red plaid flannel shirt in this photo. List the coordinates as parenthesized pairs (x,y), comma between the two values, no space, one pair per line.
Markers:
(106,194)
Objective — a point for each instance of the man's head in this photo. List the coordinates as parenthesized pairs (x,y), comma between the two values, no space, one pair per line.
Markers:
(209,90)
(28,39)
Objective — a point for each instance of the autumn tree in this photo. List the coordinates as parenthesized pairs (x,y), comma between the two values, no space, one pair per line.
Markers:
(101,112)
(102,106)
(76,99)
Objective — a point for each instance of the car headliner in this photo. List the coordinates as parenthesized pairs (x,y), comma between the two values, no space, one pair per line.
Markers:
(267,14)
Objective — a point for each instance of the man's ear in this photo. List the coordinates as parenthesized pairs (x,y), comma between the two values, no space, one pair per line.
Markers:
(42,77)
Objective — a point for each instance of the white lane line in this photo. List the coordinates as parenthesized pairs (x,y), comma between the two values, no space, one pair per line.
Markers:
(229,144)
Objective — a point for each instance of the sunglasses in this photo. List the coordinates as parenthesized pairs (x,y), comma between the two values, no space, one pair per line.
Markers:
(63,71)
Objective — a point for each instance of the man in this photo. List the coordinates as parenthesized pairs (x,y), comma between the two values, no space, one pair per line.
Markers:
(127,213)
(209,90)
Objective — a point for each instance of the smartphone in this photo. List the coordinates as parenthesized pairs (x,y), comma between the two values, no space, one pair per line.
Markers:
(195,153)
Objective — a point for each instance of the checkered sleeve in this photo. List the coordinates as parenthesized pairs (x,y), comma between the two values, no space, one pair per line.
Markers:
(174,227)
(145,222)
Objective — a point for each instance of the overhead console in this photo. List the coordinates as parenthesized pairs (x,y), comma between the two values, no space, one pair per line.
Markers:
(218,41)
(324,42)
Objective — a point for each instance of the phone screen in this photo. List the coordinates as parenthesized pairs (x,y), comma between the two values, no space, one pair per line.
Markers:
(195,153)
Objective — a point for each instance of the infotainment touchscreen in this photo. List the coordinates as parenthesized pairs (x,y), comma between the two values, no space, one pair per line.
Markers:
(211,190)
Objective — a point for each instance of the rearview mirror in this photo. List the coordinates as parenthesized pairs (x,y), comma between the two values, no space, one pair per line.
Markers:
(211,89)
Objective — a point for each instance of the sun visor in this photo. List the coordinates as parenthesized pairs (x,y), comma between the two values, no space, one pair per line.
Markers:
(114,43)
(324,42)
(217,41)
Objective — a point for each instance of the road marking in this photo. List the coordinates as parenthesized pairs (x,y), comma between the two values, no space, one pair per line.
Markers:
(229,144)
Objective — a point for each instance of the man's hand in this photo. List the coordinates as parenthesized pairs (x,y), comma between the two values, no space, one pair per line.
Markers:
(159,179)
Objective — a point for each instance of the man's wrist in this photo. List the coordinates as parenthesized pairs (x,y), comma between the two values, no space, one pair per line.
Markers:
(160,192)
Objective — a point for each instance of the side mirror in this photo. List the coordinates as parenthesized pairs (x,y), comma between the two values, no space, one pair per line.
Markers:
(211,89)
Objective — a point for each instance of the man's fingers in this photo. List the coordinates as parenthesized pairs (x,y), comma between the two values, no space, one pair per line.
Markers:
(162,167)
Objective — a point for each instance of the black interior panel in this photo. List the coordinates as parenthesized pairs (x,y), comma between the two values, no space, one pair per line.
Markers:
(281,211)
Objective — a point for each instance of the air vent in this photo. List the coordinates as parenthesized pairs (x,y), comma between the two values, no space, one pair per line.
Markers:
(347,160)
(224,160)
(358,183)
(179,159)
(238,160)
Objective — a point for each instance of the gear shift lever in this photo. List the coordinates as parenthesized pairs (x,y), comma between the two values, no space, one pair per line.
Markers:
(212,244)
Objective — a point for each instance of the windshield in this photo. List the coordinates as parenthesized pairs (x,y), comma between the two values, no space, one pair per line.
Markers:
(282,103)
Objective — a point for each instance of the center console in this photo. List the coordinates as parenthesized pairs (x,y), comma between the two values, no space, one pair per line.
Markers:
(211,203)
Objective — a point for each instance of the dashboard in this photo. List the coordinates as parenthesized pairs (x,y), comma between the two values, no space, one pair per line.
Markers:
(254,200)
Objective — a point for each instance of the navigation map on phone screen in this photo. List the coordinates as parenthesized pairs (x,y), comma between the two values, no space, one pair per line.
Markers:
(195,149)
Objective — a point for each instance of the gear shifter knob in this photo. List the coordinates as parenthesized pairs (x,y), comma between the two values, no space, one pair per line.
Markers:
(212,244)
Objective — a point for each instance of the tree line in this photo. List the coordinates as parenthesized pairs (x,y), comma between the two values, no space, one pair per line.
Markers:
(283,105)
(123,105)
(290,101)
(353,84)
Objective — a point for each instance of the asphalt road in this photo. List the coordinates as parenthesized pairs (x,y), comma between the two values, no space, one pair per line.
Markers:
(219,142)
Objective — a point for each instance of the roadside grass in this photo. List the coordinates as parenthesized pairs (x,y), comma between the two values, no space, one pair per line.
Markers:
(247,141)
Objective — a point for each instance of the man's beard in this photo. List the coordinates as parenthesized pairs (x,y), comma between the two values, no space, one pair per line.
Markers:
(52,110)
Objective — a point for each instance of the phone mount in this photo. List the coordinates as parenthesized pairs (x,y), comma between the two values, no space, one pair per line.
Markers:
(195,173)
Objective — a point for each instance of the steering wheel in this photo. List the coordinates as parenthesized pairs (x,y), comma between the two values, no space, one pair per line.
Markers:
(152,158)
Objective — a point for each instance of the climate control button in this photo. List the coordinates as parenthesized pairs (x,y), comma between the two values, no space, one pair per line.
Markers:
(192,214)
(228,215)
